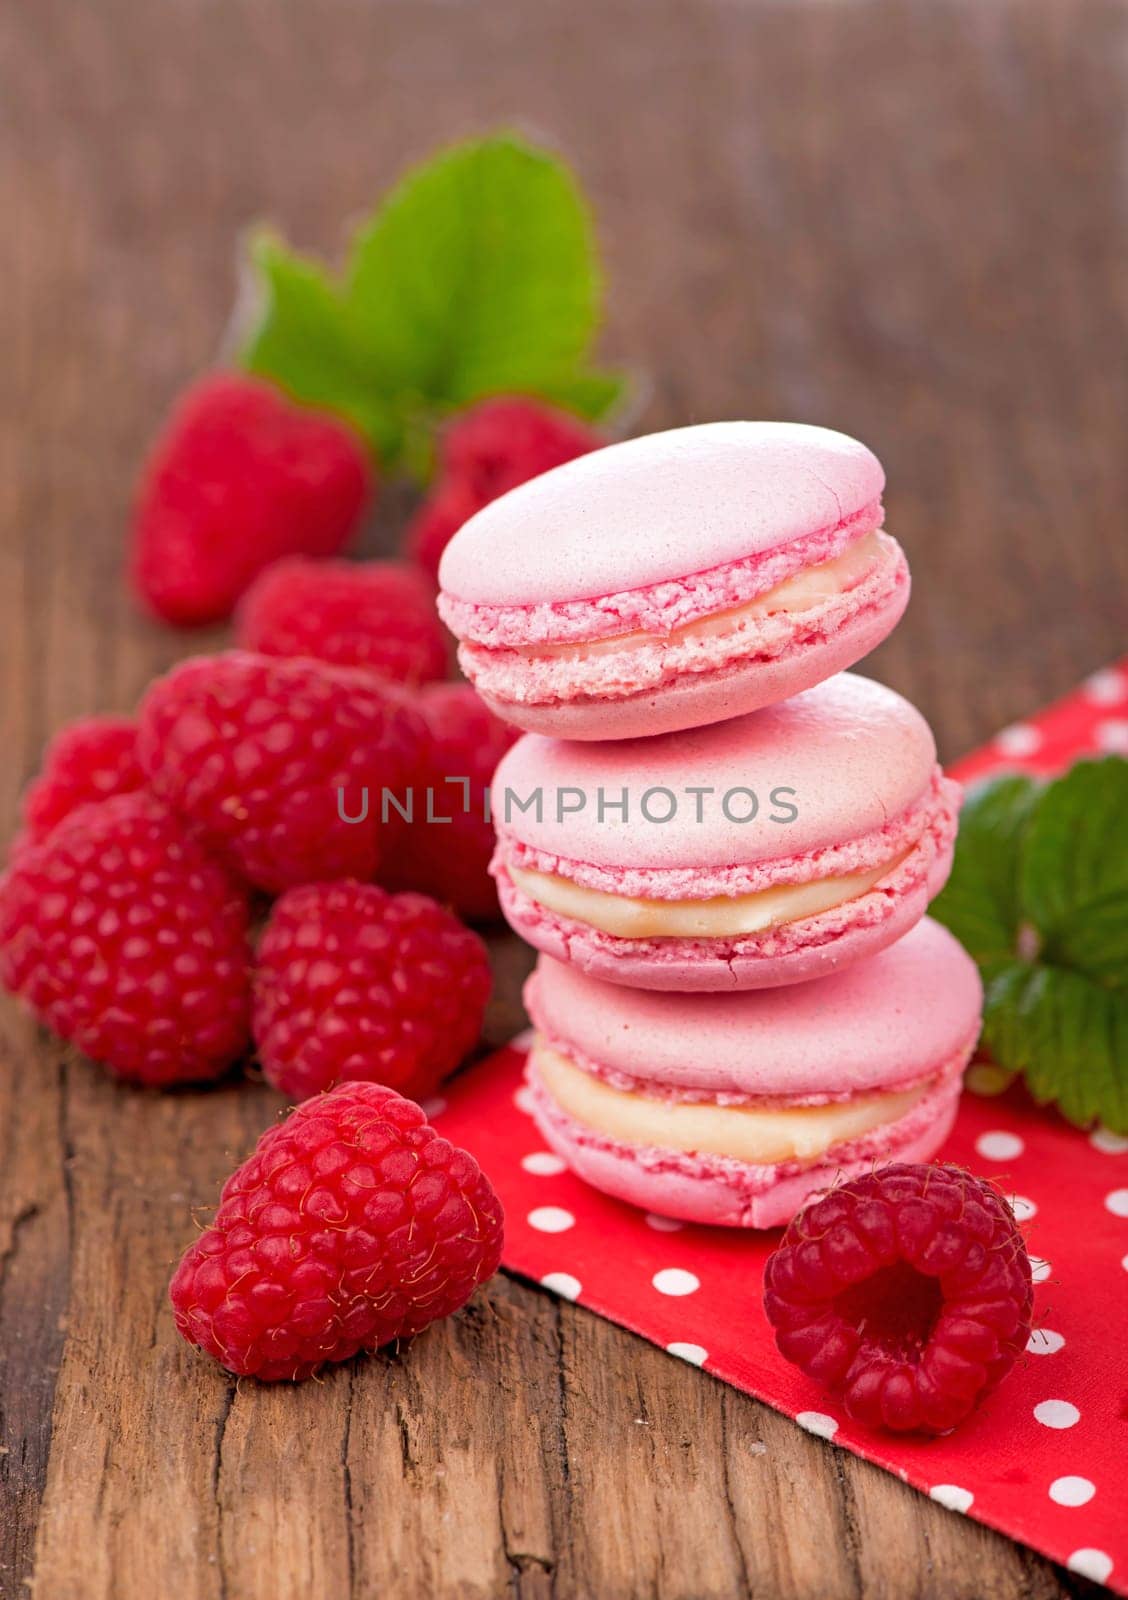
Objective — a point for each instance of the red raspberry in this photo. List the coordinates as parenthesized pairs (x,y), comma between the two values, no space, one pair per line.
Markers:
(129,941)
(450,860)
(378,614)
(487,451)
(239,477)
(352,1224)
(89,760)
(354,983)
(263,755)
(907,1291)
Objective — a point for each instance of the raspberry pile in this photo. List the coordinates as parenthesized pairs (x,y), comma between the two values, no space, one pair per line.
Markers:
(907,1292)
(150,850)
(352,1224)
(147,846)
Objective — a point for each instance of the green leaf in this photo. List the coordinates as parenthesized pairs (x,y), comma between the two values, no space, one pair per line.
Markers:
(980,901)
(591,395)
(308,341)
(1039,894)
(478,276)
(1067,1036)
(1074,884)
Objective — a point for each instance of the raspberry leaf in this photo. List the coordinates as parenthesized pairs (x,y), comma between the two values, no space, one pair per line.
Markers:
(1074,884)
(1067,1035)
(478,276)
(1039,895)
(980,901)
(307,339)
(591,394)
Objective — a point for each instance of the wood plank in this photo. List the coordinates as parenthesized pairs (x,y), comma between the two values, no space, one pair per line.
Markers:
(903,217)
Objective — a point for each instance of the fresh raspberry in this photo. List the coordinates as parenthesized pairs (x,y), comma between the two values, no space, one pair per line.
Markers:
(378,614)
(123,936)
(352,1224)
(89,760)
(354,983)
(268,758)
(907,1291)
(450,860)
(487,451)
(239,477)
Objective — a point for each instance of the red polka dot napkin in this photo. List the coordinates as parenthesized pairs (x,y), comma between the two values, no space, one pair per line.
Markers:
(1044,1459)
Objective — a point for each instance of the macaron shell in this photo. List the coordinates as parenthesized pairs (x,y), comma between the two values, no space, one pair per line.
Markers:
(851,753)
(696,699)
(728,1193)
(657,508)
(877,1025)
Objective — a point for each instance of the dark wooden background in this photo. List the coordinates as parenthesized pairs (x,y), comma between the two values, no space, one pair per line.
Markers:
(907,220)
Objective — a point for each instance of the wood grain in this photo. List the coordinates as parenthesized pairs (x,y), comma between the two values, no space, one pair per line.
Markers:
(903,217)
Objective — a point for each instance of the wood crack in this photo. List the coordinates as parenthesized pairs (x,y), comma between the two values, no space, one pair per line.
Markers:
(730,1502)
(347,1487)
(217,1468)
(24,1215)
(852,1538)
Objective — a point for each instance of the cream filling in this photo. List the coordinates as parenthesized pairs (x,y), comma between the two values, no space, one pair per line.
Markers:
(758,1135)
(801,592)
(721,917)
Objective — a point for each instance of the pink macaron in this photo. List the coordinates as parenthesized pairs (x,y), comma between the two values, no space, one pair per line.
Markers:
(675,580)
(766,850)
(734,1108)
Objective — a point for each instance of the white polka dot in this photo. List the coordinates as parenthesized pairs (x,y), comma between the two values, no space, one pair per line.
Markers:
(1105,688)
(523,1099)
(1117,1202)
(985,1078)
(551,1219)
(695,1354)
(1044,1342)
(1039,1269)
(563,1284)
(675,1281)
(1057,1414)
(434,1107)
(1020,739)
(1112,736)
(1023,1208)
(999,1146)
(1092,1564)
(818,1423)
(952,1496)
(1108,1143)
(1071,1491)
(663,1224)
(543,1164)
(1124,1262)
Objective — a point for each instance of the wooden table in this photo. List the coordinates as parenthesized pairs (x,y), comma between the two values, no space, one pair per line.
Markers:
(905,219)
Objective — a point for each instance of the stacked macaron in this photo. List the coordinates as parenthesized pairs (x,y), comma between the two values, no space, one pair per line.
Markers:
(721,842)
